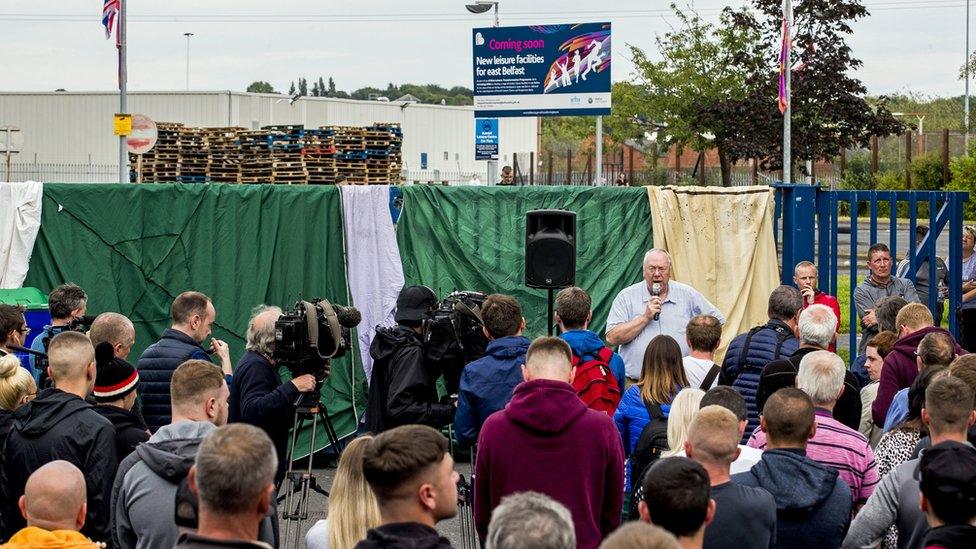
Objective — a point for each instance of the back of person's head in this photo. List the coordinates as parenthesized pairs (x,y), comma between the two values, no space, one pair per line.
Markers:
(886,310)
(714,436)
(65,299)
(788,418)
(573,306)
(784,303)
(640,535)
(11,319)
(728,398)
(883,342)
(403,467)
(947,479)
(817,325)
(233,474)
(948,406)
(821,376)
(663,373)
(70,356)
(198,391)
(936,349)
(964,368)
(54,497)
(913,317)
(16,384)
(502,315)
(704,333)
(530,520)
(549,358)
(677,496)
(352,504)
(114,328)
(916,398)
(187,305)
(260,336)
(684,407)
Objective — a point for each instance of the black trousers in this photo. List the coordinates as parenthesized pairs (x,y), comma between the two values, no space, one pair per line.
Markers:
(967,329)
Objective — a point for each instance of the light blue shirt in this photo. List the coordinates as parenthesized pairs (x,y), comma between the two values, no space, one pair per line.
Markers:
(898,410)
(682,303)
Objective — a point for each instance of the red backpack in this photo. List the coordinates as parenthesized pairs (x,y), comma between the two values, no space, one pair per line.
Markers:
(595,383)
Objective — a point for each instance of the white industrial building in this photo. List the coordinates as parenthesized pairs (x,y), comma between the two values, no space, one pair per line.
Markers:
(68,136)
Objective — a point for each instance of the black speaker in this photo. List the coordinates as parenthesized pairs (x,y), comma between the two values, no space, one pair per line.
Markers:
(550,249)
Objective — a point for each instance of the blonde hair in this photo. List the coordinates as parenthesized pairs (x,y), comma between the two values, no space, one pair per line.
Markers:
(15,383)
(683,410)
(714,435)
(352,504)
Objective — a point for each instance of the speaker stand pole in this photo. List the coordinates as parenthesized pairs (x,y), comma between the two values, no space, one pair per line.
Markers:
(550,320)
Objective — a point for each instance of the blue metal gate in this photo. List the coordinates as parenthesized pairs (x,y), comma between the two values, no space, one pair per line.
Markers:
(811,219)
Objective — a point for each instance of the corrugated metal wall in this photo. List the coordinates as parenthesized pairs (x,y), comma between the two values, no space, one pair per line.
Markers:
(76,127)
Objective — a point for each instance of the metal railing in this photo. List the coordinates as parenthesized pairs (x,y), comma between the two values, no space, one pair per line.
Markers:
(60,172)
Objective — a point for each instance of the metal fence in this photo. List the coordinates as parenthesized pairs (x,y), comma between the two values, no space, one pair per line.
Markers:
(60,173)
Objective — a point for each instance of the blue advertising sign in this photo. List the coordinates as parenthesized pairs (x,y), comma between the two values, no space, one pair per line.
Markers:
(486,139)
(542,70)
(423,161)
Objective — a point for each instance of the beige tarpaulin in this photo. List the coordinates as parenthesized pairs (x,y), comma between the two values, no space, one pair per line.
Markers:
(721,242)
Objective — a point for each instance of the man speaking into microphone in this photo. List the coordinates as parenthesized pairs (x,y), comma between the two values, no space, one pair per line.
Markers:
(656,305)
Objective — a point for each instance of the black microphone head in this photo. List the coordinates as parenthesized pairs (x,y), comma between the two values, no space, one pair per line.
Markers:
(349,317)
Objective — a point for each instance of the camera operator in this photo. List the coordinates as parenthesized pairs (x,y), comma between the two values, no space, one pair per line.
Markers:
(66,303)
(257,395)
(403,385)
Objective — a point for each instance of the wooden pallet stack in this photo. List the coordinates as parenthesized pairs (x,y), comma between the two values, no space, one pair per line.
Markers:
(383,143)
(351,154)
(285,144)
(162,163)
(194,155)
(225,155)
(320,155)
(256,162)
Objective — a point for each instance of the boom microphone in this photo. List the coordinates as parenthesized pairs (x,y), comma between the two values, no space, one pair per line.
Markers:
(349,317)
(656,291)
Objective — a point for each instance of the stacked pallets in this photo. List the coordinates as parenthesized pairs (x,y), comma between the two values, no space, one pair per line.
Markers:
(275,154)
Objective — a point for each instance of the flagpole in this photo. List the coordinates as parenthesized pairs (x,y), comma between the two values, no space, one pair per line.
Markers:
(123,156)
(787,127)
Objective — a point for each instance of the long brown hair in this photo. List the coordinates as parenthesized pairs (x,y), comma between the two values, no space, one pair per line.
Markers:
(663,374)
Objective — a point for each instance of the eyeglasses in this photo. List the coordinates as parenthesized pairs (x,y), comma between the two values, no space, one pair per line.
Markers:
(661,270)
(24,330)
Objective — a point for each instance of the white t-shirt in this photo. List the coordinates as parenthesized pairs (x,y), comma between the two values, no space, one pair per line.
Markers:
(318,535)
(696,369)
(747,458)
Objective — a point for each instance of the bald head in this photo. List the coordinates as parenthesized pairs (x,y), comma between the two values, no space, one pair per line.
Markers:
(54,497)
(261,329)
(548,358)
(116,329)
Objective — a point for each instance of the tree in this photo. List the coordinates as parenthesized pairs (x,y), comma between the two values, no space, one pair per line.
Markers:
(260,86)
(697,72)
(291,89)
(322,90)
(302,86)
(315,89)
(332,87)
(829,108)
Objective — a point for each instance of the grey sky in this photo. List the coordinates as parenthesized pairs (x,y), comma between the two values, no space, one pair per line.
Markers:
(906,45)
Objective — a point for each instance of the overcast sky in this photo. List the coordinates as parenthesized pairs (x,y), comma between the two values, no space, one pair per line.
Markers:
(906,45)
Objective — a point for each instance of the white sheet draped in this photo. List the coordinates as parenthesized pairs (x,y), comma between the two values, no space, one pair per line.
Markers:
(20,221)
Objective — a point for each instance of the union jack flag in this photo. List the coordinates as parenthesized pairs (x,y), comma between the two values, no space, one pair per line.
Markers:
(110,10)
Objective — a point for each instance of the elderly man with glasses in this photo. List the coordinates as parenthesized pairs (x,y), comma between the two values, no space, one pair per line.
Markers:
(655,305)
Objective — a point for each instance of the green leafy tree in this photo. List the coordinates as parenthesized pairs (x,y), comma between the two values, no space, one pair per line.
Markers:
(332,87)
(260,86)
(302,86)
(291,89)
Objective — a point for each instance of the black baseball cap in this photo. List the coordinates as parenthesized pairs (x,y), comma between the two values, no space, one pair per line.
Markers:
(947,476)
(413,303)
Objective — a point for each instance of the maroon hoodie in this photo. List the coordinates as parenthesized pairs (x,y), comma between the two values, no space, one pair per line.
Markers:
(546,440)
(900,370)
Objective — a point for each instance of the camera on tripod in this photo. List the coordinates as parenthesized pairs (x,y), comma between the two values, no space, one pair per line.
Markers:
(454,334)
(311,334)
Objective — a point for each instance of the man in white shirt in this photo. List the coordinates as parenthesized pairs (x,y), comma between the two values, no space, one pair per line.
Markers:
(731,400)
(704,333)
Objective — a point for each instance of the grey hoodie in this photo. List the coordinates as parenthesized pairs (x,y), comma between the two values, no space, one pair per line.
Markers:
(813,505)
(144,492)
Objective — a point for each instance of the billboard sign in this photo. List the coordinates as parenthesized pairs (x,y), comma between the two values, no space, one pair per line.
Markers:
(542,70)
(486,139)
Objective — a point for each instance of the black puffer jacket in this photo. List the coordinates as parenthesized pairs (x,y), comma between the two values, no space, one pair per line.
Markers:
(130,431)
(156,367)
(403,385)
(59,425)
(404,535)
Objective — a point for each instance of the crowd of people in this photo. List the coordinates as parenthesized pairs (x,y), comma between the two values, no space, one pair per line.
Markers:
(639,438)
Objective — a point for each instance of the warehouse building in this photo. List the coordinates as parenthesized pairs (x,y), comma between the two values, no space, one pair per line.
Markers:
(67,136)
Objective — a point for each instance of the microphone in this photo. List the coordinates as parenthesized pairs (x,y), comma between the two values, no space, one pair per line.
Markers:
(656,291)
(349,317)
(20,349)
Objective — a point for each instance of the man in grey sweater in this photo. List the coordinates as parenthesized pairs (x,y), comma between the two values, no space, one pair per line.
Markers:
(948,413)
(880,283)
(152,478)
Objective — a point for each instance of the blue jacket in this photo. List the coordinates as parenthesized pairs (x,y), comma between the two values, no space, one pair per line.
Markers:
(773,341)
(631,417)
(38,344)
(487,385)
(156,367)
(585,344)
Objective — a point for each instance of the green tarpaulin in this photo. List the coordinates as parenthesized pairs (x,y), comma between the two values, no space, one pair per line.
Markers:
(136,247)
(473,238)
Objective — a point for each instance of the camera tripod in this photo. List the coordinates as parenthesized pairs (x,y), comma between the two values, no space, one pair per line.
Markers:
(300,482)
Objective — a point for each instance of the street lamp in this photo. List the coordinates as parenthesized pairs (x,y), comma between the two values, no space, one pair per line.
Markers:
(482,6)
(187,35)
